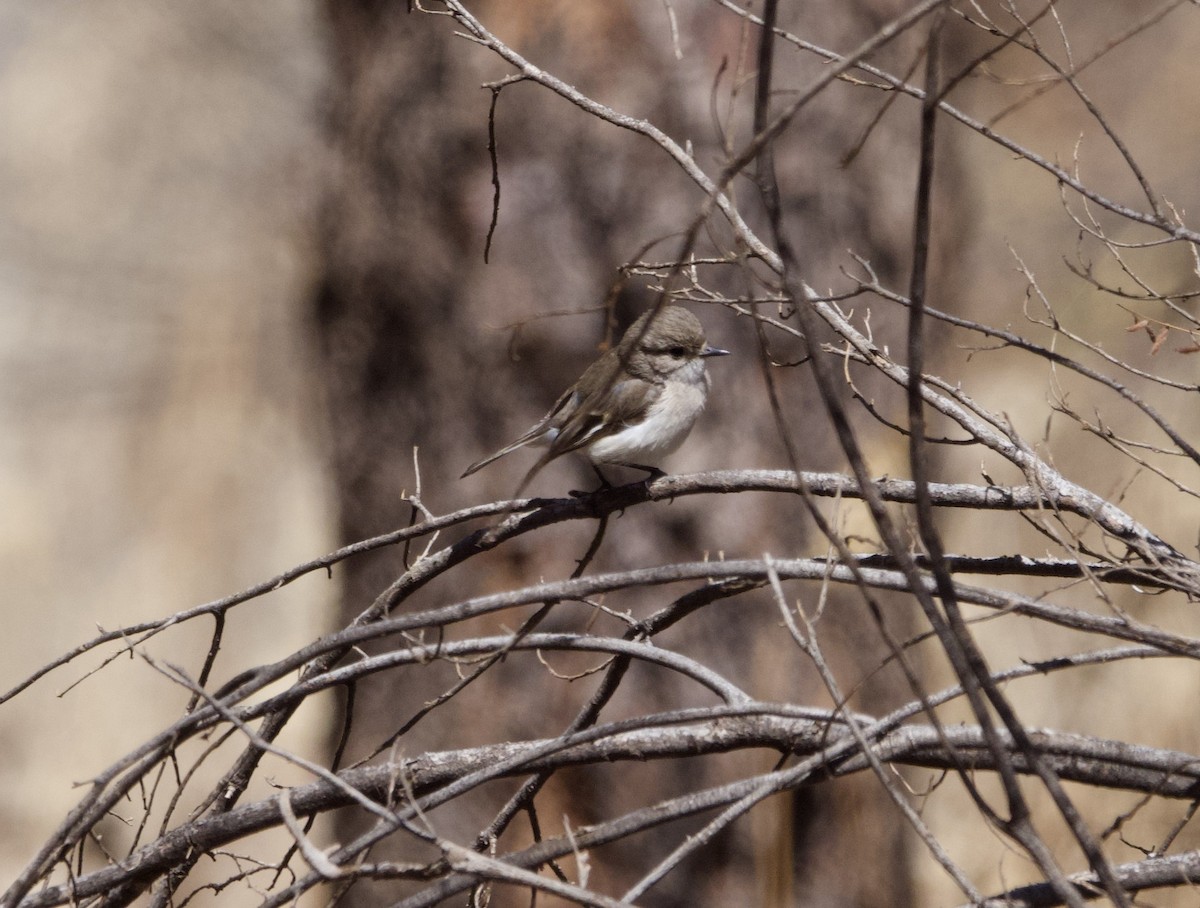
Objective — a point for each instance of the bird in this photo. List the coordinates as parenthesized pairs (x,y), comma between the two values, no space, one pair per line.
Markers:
(634,405)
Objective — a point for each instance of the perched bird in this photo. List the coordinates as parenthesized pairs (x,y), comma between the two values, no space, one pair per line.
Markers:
(633,405)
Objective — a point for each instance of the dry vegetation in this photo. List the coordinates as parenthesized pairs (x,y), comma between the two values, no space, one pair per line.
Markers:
(933,619)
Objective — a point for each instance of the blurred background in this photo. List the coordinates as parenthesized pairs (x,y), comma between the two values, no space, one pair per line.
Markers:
(242,279)
(162,439)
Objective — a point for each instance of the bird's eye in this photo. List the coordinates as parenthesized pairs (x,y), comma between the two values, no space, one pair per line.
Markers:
(678,352)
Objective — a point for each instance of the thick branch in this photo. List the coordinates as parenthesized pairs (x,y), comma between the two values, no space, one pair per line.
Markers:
(1078,758)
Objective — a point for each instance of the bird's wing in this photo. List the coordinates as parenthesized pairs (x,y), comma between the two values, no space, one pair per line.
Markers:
(579,418)
(604,413)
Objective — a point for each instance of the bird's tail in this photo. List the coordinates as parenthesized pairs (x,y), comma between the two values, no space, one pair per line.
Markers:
(507,449)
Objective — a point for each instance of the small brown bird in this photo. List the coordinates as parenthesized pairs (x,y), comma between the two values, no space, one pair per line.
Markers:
(635,404)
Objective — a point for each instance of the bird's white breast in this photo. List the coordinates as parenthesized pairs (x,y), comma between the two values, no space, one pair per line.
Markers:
(667,423)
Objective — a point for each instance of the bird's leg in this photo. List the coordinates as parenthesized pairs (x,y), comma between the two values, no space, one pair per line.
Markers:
(604,484)
(652,473)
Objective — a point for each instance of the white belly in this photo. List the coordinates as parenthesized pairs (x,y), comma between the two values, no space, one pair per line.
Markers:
(664,429)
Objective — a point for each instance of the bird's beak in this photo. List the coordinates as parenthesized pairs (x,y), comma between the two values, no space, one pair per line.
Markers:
(714,351)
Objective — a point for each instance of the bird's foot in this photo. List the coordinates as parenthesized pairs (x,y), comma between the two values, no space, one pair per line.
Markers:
(604,484)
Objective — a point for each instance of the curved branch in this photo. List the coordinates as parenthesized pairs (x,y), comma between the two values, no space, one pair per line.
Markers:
(1163,871)
(599,503)
(1078,758)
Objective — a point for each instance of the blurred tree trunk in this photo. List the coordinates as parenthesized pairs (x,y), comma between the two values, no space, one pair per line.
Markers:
(408,314)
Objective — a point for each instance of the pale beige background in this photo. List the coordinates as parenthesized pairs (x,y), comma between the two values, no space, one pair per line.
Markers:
(159,443)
